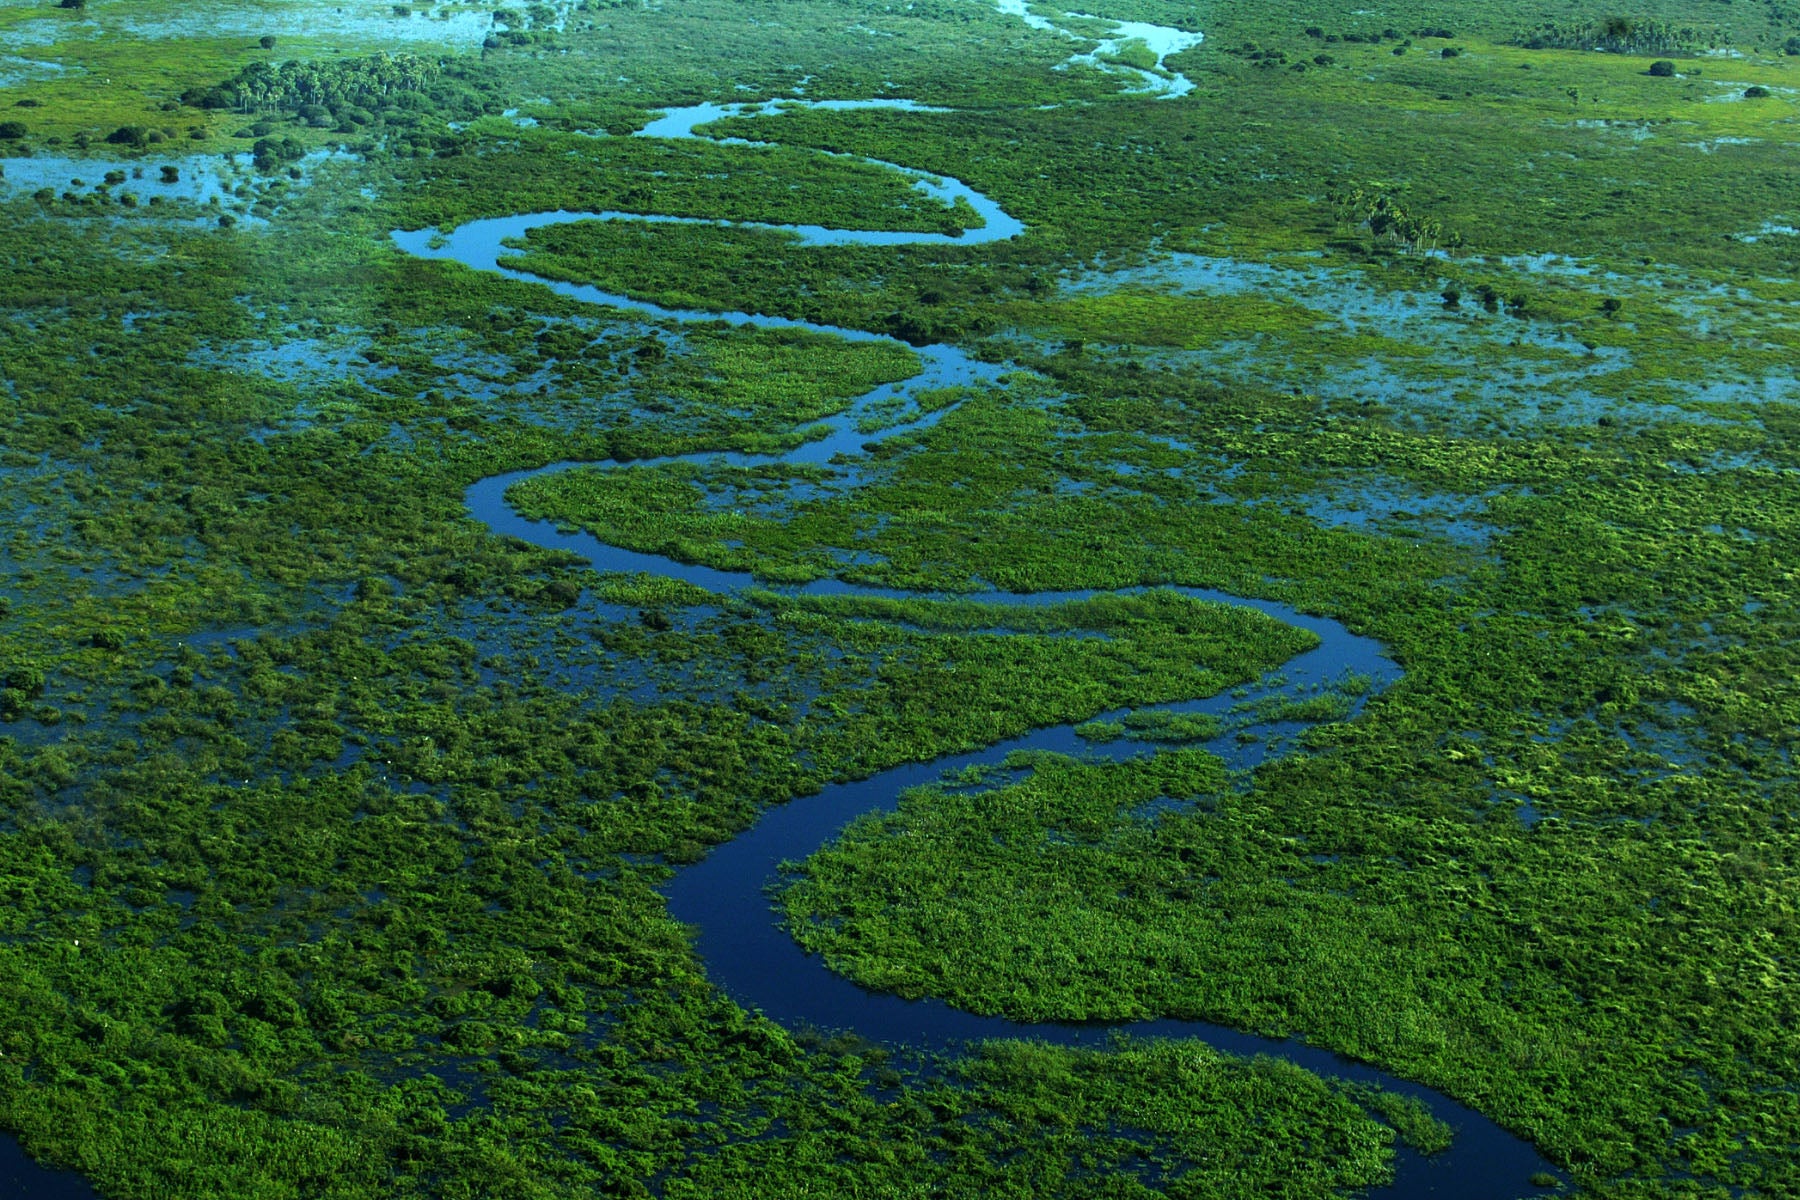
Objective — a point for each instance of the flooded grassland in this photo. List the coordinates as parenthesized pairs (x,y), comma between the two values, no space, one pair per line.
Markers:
(980,600)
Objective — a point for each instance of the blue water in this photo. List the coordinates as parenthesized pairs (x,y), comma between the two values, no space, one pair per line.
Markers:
(21,1178)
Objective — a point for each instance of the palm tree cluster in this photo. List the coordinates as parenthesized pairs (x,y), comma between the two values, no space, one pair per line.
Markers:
(1621,35)
(1384,216)
(362,82)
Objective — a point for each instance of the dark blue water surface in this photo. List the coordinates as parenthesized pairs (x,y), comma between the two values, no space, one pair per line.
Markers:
(22,1178)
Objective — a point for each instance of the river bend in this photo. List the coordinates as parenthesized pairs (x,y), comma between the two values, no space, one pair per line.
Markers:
(746,951)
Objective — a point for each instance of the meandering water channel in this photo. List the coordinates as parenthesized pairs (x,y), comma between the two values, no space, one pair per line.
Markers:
(746,952)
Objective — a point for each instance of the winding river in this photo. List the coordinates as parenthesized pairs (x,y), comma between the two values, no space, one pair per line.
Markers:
(746,951)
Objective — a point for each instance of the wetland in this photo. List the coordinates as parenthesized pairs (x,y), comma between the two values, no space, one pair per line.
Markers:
(1044,604)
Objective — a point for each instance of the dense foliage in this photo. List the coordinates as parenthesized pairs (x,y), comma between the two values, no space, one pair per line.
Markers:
(1622,35)
(295,86)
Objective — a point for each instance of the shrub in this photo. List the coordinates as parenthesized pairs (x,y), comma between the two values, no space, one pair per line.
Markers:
(12,131)
(1662,68)
(26,679)
(274,152)
(1755,92)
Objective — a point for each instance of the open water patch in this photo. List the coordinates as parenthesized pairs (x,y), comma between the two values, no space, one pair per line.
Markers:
(194,187)
(1123,51)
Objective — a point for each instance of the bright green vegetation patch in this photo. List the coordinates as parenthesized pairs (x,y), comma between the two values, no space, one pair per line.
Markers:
(1077,896)
(1139,1120)
(1133,53)
(788,377)
(1156,727)
(908,293)
(545,172)
(643,590)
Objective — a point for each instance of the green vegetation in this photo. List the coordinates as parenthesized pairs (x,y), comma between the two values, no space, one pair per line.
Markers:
(1624,35)
(331,823)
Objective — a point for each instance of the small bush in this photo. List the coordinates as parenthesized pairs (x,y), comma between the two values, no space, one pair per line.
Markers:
(12,131)
(25,679)
(1662,68)
(1755,91)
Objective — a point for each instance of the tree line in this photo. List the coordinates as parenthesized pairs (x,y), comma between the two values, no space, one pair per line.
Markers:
(1384,216)
(1621,35)
(263,87)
